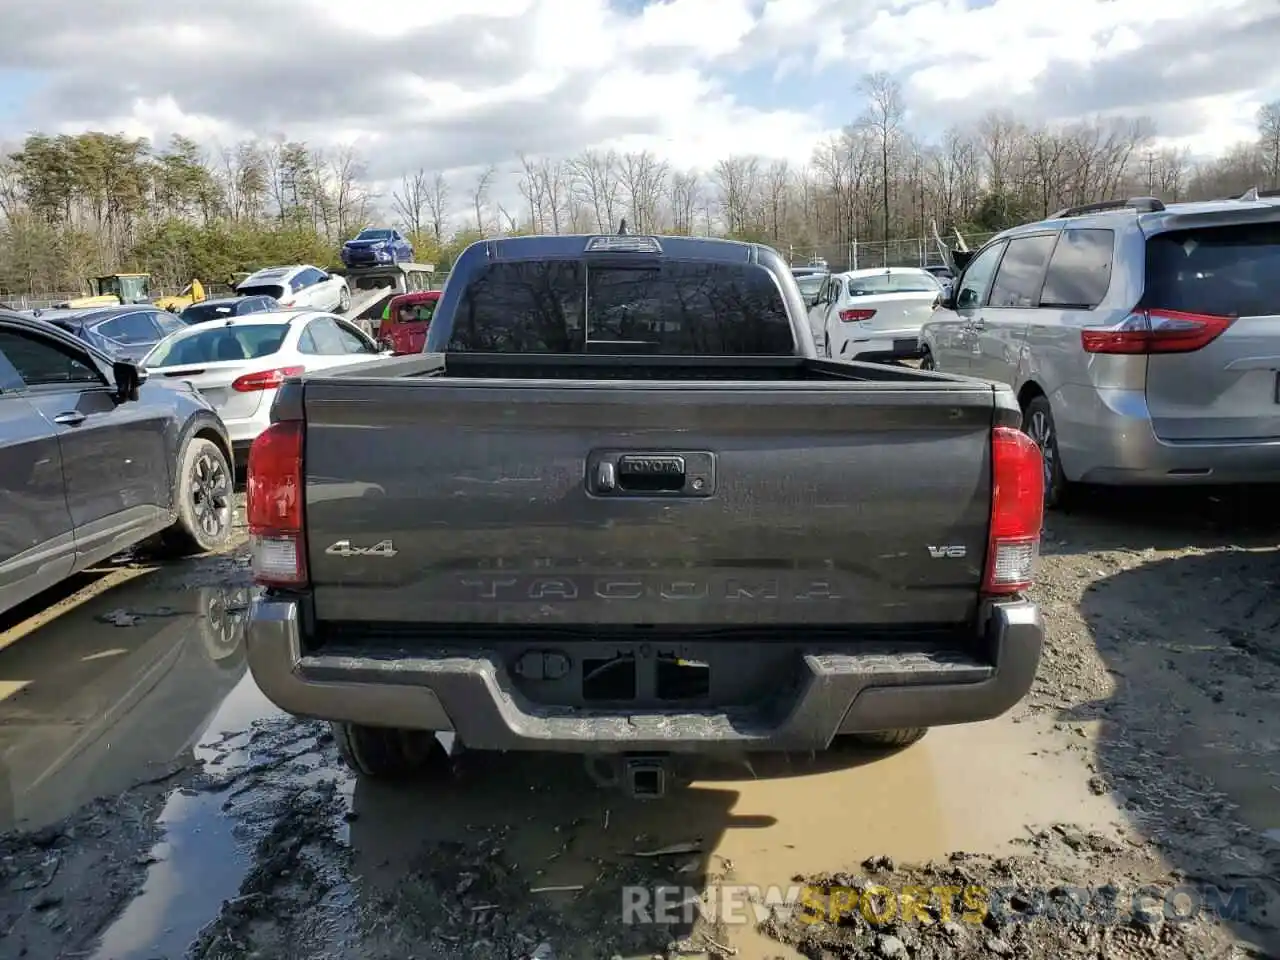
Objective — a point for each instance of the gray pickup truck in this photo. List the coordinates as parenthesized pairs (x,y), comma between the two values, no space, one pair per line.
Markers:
(619,507)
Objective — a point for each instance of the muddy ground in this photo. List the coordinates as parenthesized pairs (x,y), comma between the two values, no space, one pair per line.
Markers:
(163,809)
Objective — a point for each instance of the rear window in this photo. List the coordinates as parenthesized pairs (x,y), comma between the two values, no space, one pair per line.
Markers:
(220,343)
(262,290)
(810,284)
(1228,271)
(672,308)
(416,312)
(202,312)
(893,283)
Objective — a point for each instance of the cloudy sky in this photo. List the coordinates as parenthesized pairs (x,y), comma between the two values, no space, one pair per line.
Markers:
(451,85)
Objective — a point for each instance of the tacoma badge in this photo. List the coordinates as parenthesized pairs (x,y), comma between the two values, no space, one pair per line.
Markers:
(343,548)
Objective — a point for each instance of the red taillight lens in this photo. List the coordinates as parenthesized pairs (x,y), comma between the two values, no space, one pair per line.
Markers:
(273,505)
(849,316)
(1156,331)
(266,380)
(1017,511)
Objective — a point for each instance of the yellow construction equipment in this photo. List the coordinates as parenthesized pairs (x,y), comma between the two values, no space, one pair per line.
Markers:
(115,288)
(193,292)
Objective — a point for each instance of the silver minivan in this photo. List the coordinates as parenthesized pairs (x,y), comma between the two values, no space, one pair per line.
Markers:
(1143,339)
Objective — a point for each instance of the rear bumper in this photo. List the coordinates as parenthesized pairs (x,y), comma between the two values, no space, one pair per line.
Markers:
(470,693)
(885,345)
(1106,437)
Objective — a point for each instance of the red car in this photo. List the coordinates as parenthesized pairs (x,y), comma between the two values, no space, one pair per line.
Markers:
(408,316)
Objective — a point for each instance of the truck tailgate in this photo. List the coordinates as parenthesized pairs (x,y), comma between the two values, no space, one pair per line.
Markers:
(442,501)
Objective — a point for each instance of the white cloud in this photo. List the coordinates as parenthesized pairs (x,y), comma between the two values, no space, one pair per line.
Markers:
(447,86)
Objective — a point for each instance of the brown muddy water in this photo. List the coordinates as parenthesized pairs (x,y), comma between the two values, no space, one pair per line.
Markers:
(167,810)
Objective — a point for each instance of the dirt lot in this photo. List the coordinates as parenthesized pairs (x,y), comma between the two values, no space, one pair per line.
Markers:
(1147,754)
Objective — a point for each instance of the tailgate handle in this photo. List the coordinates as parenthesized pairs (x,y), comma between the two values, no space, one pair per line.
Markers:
(632,473)
(651,473)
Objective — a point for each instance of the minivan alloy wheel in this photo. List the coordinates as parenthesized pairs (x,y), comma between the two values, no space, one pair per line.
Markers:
(211,495)
(1040,429)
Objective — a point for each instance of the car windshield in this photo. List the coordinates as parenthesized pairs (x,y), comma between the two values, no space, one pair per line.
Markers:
(374,235)
(249,342)
(893,283)
(202,312)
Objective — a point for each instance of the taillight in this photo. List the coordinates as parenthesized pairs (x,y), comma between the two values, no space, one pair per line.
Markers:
(1017,511)
(264,380)
(849,316)
(273,506)
(1156,331)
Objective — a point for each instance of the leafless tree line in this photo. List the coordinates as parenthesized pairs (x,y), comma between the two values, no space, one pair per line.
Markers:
(873,181)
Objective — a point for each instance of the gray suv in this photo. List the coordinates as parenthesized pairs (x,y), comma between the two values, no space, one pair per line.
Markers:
(1143,339)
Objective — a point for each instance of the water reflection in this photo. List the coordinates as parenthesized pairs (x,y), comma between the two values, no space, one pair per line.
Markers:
(113,692)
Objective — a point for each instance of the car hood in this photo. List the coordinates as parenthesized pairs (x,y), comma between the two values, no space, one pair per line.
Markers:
(366,243)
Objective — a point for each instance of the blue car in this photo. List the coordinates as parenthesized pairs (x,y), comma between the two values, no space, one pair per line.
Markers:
(377,245)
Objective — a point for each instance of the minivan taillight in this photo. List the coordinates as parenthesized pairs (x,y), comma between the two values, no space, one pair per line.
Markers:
(1017,512)
(273,506)
(1156,331)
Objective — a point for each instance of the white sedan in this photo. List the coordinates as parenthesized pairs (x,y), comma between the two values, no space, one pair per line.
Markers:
(238,364)
(873,314)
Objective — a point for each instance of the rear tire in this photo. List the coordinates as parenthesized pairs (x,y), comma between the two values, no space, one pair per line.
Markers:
(884,739)
(203,499)
(344,300)
(1037,423)
(386,753)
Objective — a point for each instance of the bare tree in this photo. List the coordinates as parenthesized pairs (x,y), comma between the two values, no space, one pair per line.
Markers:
(685,195)
(595,183)
(777,185)
(738,179)
(409,203)
(480,195)
(644,181)
(884,118)
(1269,141)
(437,202)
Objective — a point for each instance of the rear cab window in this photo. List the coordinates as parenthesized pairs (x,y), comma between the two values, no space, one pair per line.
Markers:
(250,342)
(1227,271)
(664,307)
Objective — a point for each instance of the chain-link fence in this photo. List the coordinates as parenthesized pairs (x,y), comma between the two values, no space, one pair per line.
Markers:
(20,301)
(864,254)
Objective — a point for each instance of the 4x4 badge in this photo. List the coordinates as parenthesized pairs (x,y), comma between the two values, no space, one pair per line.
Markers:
(343,548)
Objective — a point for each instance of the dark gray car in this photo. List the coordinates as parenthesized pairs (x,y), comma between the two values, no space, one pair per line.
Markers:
(94,459)
(122,333)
